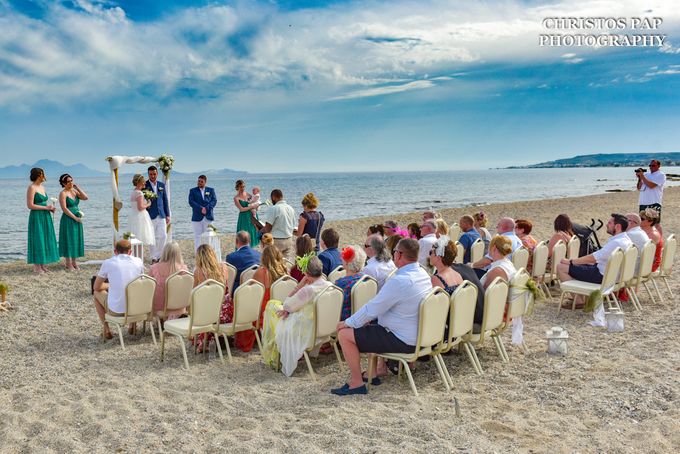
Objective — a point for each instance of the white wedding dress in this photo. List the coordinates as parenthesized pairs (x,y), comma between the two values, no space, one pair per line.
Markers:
(139,222)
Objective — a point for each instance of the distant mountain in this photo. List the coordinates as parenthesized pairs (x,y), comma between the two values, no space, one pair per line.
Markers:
(52,168)
(608,160)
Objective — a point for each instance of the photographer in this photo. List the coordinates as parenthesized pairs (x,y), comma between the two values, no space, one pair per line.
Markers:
(650,184)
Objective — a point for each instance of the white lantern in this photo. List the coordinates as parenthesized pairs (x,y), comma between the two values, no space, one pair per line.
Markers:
(557,340)
(137,248)
(614,320)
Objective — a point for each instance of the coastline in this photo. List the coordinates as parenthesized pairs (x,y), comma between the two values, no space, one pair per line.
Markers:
(64,389)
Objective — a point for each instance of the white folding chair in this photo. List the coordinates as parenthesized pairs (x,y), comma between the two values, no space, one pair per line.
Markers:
(539,266)
(231,277)
(336,274)
(477,250)
(454,231)
(363,291)
(247,303)
(664,272)
(248,273)
(138,305)
(460,253)
(643,272)
(178,287)
(327,311)
(282,288)
(625,278)
(573,247)
(520,258)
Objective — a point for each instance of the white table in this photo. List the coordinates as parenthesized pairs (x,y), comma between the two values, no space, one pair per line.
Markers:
(213,240)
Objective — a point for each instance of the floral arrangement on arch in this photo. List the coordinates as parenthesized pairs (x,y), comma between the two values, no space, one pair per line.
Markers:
(165,163)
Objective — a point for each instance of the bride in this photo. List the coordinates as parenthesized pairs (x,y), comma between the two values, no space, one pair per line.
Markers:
(139,221)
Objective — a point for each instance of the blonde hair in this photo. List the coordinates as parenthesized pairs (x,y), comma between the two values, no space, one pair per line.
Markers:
(310,201)
(480,219)
(442,227)
(172,254)
(207,262)
(272,260)
(267,239)
(137,178)
(502,243)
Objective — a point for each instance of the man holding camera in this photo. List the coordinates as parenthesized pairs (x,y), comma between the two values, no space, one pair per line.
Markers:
(650,184)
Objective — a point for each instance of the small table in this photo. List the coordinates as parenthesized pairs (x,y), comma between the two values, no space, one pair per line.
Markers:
(137,248)
(213,240)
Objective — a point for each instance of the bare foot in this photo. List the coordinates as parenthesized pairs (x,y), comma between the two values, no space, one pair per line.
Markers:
(37,269)
(45,270)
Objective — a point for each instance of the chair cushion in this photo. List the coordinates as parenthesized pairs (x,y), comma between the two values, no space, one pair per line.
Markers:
(120,319)
(228,328)
(180,326)
(580,287)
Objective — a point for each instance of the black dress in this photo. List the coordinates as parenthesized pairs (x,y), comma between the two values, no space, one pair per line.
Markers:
(466,272)
(315,220)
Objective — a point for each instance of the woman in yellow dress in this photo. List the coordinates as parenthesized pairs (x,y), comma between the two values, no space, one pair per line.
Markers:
(288,326)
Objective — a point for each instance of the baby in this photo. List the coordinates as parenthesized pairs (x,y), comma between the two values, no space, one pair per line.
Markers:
(254,200)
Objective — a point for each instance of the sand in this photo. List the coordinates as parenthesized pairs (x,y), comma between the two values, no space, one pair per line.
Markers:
(63,389)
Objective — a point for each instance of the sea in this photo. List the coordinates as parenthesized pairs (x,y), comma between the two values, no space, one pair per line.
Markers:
(341,195)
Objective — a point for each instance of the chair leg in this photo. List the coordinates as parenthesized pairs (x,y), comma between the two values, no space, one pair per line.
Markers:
(219,347)
(370,371)
(668,287)
(649,292)
(120,336)
(656,287)
(506,358)
(153,334)
(437,362)
(160,329)
(226,344)
(498,348)
(337,352)
(559,305)
(309,365)
(471,357)
(257,338)
(479,363)
(184,350)
(446,370)
(162,346)
(410,376)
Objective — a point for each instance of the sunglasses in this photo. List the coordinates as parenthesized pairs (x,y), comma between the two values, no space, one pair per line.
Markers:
(367,245)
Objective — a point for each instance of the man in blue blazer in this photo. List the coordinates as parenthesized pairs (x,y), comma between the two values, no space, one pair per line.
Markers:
(243,257)
(202,200)
(159,212)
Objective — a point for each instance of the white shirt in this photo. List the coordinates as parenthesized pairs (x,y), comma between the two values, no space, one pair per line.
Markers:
(602,256)
(378,270)
(281,217)
(650,196)
(425,244)
(202,192)
(639,238)
(120,270)
(397,305)
(154,186)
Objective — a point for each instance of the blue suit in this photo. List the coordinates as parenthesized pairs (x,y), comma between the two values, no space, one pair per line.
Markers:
(197,202)
(159,206)
(243,258)
(330,258)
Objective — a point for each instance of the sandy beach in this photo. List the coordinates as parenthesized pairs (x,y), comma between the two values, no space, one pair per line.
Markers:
(64,389)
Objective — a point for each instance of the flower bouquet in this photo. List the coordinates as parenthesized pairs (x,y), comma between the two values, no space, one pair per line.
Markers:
(149,195)
(128,235)
(4,304)
(165,163)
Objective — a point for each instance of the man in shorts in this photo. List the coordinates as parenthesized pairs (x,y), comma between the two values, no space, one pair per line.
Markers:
(650,184)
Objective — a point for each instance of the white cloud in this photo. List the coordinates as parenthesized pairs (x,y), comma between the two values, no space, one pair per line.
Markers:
(386,90)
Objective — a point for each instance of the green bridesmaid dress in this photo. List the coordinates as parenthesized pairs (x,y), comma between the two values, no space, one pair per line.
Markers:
(71,239)
(244,223)
(42,243)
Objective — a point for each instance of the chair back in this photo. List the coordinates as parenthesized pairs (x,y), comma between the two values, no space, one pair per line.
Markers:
(573,247)
(540,263)
(517,294)
(282,287)
(668,254)
(139,295)
(477,250)
(646,260)
(231,277)
(611,271)
(337,273)
(178,287)
(327,312)
(559,253)
(247,302)
(248,273)
(495,297)
(289,264)
(462,312)
(206,300)
(362,292)
(432,317)
(520,258)
(454,231)
(460,252)
(630,258)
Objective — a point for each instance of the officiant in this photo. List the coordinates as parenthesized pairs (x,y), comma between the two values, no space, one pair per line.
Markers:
(159,211)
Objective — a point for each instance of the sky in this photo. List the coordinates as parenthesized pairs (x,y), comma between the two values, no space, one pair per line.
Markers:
(300,86)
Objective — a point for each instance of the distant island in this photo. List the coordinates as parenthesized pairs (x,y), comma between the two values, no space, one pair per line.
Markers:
(56,168)
(607,160)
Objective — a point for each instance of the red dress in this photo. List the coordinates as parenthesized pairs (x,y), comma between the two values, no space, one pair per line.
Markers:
(657,255)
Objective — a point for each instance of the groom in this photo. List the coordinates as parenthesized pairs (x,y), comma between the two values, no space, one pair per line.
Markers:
(159,211)
(202,200)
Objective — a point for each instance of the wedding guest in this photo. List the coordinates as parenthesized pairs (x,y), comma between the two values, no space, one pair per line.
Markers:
(564,230)
(481,222)
(243,257)
(42,242)
(209,267)
(506,228)
(273,267)
(501,266)
(310,221)
(650,184)
(414,230)
(202,200)
(330,256)
(648,219)
(391,242)
(380,264)
(353,260)
(289,326)
(159,212)
(170,262)
(430,215)
(442,228)
(389,228)
(523,229)
(281,223)
(428,236)
(267,240)
(112,279)
(638,236)
(468,236)
(377,229)
(71,238)
(245,215)
(303,246)
(139,221)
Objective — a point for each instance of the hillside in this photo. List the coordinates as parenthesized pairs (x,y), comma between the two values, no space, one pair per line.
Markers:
(608,160)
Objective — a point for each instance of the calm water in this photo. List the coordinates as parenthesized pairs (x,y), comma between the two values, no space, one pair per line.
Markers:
(342,196)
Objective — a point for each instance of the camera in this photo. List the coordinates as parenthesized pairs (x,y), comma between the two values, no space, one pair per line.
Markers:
(640,170)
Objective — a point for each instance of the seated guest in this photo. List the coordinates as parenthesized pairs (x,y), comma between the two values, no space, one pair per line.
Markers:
(449,275)
(590,268)
(442,228)
(303,246)
(469,235)
(120,270)
(272,268)
(481,222)
(289,326)
(353,260)
(396,308)
(501,266)
(330,256)
(414,230)
(171,261)
(428,237)
(564,230)
(243,257)
(648,220)
(376,229)
(636,234)
(391,242)
(523,230)
(208,266)
(506,228)
(380,264)
(267,240)
(430,214)
(389,228)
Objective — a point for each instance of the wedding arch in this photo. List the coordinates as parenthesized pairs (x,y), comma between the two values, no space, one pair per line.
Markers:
(165,163)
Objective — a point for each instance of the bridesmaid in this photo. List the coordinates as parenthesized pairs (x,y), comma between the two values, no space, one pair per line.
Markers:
(42,243)
(71,239)
(244,223)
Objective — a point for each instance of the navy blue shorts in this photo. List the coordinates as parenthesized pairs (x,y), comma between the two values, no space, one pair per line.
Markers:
(373,338)
(587,273)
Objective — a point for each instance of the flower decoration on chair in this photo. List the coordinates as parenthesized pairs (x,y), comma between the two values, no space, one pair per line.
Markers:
(347,254)
(536,295)
(593,302)
(303,261)
(212,228)
(149,195)
(128,236)
(165,163)
(440,245)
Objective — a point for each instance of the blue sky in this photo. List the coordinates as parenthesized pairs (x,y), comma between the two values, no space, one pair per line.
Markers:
(268,86)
